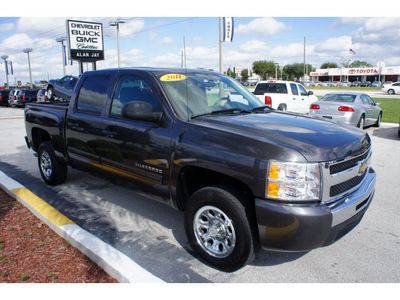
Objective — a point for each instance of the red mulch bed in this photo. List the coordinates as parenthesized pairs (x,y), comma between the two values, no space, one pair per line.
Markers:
(31,252)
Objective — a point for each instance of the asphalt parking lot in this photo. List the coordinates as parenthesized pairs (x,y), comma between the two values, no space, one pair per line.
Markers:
(152,234)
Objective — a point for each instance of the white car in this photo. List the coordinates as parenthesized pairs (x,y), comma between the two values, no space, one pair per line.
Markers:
(391,89)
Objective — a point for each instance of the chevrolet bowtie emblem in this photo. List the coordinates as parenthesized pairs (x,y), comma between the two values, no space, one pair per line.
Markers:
(363,168)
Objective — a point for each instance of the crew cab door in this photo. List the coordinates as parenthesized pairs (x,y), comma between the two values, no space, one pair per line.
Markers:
(294,103)
(138,150)
(84,121)
(304,103)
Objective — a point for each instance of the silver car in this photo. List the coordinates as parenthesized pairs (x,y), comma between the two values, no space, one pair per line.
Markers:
(355,109)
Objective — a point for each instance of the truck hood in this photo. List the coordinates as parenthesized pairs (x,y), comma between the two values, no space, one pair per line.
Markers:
(316,139)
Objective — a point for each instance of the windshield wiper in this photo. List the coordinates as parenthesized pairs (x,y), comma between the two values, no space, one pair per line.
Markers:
(230,110)
(262,109)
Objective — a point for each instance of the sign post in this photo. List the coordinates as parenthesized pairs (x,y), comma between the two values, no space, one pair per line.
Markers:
(85,42)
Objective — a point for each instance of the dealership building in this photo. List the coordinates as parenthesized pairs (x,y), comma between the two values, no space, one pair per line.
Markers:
(357,74)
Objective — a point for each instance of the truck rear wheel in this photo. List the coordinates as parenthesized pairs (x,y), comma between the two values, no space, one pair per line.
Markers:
(53,172)
(219,228)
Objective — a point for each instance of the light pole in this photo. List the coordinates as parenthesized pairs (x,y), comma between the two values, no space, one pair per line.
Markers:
(116,23)
(5,63)
(61,40)
(27,50)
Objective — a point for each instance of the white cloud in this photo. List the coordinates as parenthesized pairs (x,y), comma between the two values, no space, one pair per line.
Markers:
(253,46)
(35,25)
(130,28)
(263,26)
(334,45)
(7,27)
(167,40)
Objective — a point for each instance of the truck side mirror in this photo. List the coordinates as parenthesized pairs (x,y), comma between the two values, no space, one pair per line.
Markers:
(141,111)
(310,93)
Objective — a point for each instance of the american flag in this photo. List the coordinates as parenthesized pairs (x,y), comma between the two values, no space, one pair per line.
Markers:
(351,51)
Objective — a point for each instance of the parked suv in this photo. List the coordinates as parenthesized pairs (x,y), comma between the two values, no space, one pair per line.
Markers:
(13,97)
(4,97)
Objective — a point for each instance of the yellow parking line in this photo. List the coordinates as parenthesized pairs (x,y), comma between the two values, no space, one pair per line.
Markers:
(42,207)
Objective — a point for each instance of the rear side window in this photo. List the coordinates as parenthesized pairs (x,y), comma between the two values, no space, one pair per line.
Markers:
(295,90)
(93,94)
(271,88)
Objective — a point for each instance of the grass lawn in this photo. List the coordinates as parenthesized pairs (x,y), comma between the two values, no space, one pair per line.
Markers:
(390,109)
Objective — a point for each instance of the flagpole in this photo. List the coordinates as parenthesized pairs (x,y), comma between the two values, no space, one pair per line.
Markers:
(221,50)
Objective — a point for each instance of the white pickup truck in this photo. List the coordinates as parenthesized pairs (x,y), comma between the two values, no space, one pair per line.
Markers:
(285,95)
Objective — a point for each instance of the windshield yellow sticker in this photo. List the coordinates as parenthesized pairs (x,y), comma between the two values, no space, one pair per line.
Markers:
(173,77)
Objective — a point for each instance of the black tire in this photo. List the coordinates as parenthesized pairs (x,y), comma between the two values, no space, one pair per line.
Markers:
(361,123)
(378,121)
(53,172)
(390,92)
(50,94)
(220,229)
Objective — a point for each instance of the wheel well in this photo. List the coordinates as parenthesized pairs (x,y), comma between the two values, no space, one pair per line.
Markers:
(39,136)
(191,179)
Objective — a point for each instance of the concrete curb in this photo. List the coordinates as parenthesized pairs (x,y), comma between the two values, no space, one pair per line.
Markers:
(115,263)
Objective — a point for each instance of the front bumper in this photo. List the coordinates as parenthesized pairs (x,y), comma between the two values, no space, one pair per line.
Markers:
(303,227)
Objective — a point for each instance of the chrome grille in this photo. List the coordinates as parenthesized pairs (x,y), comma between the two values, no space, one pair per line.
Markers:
(347,164)
(345,186)
(342,177)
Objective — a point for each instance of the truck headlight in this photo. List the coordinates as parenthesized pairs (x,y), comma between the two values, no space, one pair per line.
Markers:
(293,181)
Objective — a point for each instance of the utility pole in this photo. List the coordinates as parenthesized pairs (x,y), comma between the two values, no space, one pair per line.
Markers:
(5,63)
(61,40)
(304,57)
(221,50)
(116,23)
(27,50)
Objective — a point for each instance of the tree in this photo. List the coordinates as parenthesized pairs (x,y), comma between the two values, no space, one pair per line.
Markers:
(263,67)
(328,65)
(245,74)
(360,64)
(230,73)
(296,70)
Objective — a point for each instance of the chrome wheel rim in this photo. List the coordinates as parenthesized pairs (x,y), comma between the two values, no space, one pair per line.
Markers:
(214,231)
(45,164)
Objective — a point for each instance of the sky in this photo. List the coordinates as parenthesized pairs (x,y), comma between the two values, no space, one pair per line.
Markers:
(155,34)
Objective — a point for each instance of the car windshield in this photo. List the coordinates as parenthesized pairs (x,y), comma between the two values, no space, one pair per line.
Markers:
(338,98)
(197,94)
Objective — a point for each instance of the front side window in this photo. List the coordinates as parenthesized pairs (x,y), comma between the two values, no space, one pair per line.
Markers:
(197,94)
(131,89)
(93,94)
(303,91)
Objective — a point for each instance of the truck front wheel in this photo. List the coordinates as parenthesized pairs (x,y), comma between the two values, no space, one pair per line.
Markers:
(50,94)
(219,228)
(53,172)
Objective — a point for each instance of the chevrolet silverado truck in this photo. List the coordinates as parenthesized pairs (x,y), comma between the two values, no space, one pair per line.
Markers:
(61,88)
(285,95)
(245,175)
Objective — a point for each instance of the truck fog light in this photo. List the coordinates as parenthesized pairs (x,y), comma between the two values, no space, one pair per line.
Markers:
(293,181)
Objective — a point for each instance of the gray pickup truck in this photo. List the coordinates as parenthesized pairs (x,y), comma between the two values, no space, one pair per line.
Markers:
(61,88)
(246,176)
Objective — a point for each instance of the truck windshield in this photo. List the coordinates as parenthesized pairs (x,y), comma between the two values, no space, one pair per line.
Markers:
(197,94)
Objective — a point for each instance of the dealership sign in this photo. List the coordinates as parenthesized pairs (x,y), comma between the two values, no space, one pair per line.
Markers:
(85,40)
(363,71)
